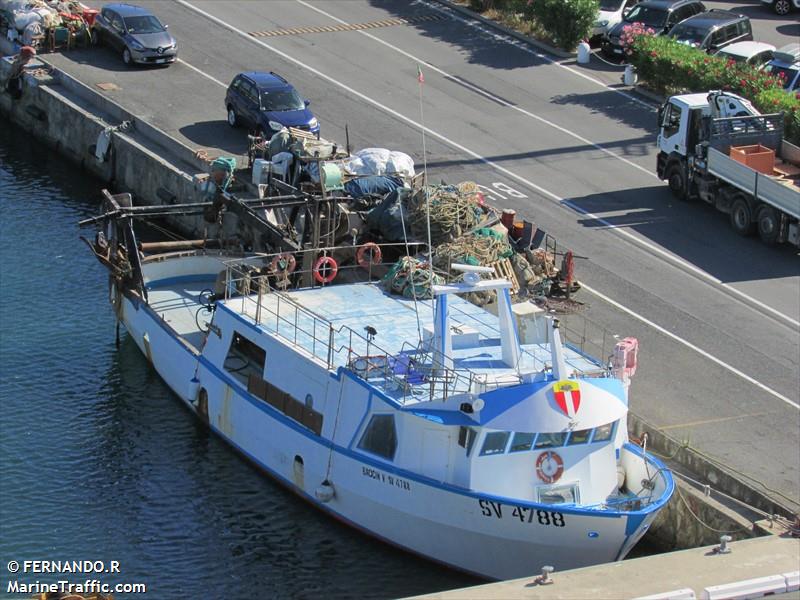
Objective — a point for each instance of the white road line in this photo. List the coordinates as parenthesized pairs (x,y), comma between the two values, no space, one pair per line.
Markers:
(454,144)
(691,346)
(653,248)
(487,94)
(203,73)
(526,48)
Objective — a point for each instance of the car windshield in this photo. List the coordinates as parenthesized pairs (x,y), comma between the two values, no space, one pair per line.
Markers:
(281,100)
(787,74)
(689,34)
(611,5)
(145,24)
(650,16)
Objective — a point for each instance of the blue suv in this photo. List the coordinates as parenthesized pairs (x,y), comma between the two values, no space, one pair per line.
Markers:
(267,103)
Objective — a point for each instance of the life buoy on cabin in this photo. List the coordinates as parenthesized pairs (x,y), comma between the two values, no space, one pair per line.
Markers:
(369,255)
(325,269)
(549,467)
(283,263)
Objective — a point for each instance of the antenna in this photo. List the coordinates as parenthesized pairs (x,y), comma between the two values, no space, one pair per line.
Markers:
(421,80)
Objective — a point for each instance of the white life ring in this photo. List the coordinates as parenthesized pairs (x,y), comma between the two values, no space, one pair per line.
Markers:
(549,467)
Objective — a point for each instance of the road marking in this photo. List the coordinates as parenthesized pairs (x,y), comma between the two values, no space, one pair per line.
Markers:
(487,94)
(350,26)
(519,178)
(652,247)
(689,345)
(712,421)
(203,73)
(525,47)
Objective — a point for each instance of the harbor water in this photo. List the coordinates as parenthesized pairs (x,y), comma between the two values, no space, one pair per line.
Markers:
(99,461)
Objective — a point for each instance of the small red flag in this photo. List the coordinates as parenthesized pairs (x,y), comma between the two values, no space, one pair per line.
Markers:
(420,76)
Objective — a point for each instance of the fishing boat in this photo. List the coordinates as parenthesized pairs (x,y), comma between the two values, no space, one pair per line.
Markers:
(429,424)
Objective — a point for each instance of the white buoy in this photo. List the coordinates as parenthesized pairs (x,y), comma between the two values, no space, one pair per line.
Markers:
(584,53)
(325,491)
(630,77)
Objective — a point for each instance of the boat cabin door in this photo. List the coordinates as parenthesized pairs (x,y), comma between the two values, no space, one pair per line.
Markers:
(435,454)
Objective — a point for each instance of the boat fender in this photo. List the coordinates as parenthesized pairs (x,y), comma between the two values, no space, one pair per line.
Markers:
(549,467)
(283,263)
(194,389)
(327,265)
(369,255)
(620,477)
(325,492)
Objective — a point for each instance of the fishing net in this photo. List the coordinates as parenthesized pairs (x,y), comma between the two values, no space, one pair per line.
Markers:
(411,278)
(454,210)
(482,247)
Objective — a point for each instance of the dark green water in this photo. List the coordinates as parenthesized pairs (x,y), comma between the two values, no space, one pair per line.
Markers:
(98,461)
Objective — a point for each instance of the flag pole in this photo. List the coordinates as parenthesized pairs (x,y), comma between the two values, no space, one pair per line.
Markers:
(421,81)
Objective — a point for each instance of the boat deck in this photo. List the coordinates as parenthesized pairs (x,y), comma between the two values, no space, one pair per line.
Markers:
(306,318)
(178,305)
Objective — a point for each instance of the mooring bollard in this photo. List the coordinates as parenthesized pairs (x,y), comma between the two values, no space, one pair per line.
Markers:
(723,544)
(584,53)
(544,578)
(629,77)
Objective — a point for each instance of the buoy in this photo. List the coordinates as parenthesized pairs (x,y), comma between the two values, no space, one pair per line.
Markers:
(584,53)
(325,491)
(283,263)
(328,265)
(549,467)
(369,255)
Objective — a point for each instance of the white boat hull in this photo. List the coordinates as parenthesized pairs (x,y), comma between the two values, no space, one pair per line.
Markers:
(480,534)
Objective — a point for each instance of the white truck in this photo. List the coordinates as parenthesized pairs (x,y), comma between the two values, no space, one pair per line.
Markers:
(696,133)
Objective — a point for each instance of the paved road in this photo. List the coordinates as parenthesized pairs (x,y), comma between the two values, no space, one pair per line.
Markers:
(716,314)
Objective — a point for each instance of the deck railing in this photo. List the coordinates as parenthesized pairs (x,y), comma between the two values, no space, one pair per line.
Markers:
(416,372)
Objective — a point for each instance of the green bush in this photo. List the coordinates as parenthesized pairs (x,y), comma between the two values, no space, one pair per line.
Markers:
(567,21)
(670,67)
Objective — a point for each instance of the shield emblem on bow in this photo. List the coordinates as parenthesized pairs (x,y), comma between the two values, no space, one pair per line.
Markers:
(568,396)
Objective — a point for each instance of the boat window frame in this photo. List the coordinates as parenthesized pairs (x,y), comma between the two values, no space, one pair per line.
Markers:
(258,363)
(495,433)
(469,437)
(529,448)
(588,440)
(367,428)
(561,445)
(611,436)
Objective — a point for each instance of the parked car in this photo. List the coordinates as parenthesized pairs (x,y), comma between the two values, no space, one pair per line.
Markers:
(755,54)
(782,7)
(660,15)
(267,103)
(136,33)
(611,12)
(786,64)
(713,30)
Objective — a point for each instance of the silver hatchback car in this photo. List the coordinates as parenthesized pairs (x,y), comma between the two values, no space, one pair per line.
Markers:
(136,33)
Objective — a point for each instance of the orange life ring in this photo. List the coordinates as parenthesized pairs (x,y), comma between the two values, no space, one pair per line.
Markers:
(369,255)
(325,262)
(283,263)
(549,467)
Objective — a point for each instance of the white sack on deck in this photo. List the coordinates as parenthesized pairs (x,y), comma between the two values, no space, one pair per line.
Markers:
(380,161)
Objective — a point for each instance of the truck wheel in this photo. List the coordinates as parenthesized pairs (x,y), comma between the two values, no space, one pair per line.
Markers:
(781,7)
(768,225)
(742,217)
(676,178)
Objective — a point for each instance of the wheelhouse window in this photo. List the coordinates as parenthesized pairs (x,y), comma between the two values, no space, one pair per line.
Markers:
(380,437)
(466,438)
(550,440)
(579,437)
(561,494)
(604,432)
(522,442)
(244,357)
(495,443)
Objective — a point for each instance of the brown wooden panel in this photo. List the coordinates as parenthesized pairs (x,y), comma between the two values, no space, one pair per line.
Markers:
(257,386)
(313,420)
(294,409)
(276,397)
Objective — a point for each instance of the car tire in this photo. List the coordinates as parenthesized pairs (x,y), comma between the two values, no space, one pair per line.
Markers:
(232,120)
(126,57)
(742,217)
(782,7)
(676,179)
(768,224)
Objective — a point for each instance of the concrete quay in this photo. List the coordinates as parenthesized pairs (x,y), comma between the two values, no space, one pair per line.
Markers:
(179,110)
(752,569)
